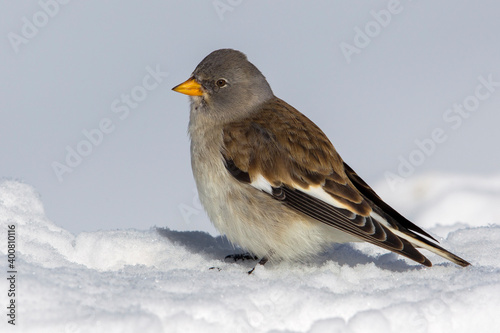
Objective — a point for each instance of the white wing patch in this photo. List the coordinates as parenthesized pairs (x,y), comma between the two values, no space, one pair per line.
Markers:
(262,184)
(319,193)
(380,220)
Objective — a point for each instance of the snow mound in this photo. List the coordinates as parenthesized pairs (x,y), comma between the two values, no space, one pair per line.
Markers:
(159,280)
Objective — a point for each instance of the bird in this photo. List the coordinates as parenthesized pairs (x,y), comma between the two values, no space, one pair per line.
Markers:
(272,182)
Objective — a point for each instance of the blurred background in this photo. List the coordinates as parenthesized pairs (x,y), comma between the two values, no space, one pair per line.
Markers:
(87,115)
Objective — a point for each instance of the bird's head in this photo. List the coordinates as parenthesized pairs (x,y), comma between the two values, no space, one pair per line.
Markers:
(226,85)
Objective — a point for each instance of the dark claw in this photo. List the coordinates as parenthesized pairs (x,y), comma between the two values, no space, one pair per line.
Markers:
(240,256)
(261,262)
(217,268)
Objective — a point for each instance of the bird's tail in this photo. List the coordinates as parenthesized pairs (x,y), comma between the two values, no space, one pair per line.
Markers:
(421,242)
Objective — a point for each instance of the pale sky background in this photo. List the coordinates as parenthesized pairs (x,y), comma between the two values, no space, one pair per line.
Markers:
(61,72)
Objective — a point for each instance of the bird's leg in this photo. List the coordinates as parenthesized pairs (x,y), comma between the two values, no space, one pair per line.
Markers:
(261,262)
(240,256)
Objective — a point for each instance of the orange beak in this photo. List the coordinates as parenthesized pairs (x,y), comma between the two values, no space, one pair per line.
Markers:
(191,87)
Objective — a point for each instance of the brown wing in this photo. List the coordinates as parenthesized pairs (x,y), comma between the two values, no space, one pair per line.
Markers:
(369,193)
(290,151)
(285,147)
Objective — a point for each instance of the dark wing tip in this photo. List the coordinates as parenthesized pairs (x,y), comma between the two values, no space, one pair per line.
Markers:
(412,253)
(462,262)
(456,259)
(369,193)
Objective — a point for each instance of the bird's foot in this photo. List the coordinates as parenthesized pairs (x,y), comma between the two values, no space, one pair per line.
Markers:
(261,262)
(240,256)
(215,268)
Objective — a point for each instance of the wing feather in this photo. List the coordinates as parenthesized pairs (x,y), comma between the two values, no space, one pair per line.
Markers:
(280,151)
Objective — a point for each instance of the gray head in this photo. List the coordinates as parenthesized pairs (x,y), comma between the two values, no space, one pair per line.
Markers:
(226,85)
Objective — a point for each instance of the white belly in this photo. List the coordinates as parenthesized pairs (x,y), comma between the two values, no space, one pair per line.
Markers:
(251,218)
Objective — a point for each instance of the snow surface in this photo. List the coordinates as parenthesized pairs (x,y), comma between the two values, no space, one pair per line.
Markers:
(160,280)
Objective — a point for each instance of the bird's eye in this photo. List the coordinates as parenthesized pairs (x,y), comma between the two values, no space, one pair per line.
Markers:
(221,83)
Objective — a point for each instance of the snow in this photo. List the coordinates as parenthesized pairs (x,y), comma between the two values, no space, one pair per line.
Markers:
(161,280)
